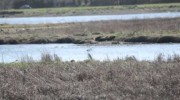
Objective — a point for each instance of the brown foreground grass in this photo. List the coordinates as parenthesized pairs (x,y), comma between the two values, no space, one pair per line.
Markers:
(89,32)
(91,80)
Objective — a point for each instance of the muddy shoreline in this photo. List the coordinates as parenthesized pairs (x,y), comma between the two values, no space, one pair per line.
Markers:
(132,40)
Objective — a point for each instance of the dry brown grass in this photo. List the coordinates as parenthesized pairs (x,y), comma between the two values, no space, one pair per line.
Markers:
(91,80)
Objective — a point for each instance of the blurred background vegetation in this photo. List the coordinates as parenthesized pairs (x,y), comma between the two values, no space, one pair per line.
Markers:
(16,4)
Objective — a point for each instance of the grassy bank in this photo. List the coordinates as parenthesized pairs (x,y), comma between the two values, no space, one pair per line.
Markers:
(69,11)
(148,31)
(120,79)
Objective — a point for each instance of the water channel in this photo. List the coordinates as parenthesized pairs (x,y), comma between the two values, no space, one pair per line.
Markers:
(67,52)
(72,19)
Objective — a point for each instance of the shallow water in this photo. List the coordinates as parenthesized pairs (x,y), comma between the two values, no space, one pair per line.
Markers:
(70,19)
(67,52)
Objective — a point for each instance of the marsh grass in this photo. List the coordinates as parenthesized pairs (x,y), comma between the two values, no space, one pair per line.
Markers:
(48,58)
(119,79)
(85,32)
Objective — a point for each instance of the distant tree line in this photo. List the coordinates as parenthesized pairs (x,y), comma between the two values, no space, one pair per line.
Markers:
(8,4)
